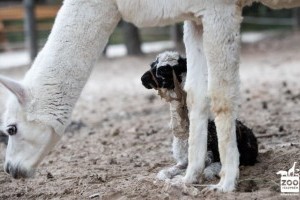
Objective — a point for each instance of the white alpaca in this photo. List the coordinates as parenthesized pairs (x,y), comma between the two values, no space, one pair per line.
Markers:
(38,113)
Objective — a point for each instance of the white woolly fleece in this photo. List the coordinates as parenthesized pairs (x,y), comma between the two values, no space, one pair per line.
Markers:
(167,58)
(81,31)
(62,68)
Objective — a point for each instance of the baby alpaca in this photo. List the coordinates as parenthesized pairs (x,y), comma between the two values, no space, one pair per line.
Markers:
(167,75)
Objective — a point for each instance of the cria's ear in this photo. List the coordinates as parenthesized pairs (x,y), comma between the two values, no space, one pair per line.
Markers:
(16,88)
(181,65)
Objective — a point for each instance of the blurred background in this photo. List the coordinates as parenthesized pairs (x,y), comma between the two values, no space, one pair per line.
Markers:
(25,26)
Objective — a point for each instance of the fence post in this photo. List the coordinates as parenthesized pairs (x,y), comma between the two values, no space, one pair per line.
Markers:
(132,39)
(30,28)
(297,16)
(176,33)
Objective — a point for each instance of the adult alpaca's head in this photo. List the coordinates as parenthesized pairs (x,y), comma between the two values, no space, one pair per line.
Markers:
(29,139)
(41,105)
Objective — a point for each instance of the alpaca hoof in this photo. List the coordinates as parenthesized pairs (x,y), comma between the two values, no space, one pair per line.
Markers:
(190,179)
(217,188)
(209,190)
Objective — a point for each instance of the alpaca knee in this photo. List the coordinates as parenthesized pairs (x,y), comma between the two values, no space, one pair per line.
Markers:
(197,102)
(224,107)
(222,103)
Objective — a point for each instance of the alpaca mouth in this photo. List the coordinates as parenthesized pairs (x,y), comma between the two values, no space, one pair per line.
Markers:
(17,171)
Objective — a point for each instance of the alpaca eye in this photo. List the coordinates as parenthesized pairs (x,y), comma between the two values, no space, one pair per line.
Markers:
(12,130)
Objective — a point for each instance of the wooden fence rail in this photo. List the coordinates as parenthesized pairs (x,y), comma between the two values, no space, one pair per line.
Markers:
(18,13)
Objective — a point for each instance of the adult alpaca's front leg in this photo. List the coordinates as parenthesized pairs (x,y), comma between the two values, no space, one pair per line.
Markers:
(222,46)
(197,100)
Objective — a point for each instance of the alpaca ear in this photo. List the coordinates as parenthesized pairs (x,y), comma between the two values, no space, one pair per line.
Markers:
(15,87)
(182,68)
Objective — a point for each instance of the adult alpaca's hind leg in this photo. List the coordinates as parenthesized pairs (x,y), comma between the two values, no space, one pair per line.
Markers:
(197,100)
(222,46)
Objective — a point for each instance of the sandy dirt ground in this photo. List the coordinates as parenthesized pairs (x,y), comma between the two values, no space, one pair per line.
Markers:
(119,138)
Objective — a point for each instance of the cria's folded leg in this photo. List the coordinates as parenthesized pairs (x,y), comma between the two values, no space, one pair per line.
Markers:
(221,45)
(212,168)
(180,151)
(212,171)
(197,101)
(180,147)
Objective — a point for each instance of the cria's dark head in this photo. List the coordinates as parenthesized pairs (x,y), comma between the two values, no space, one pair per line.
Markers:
(181,67)
(161,73)
(148,80)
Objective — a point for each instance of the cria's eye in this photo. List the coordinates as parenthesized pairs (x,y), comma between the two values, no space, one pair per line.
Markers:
(12,130)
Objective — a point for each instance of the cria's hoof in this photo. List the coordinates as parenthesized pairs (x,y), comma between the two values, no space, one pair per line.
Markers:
(163,175)
(190,180)
(170,172)
(178,181)
(177,184)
